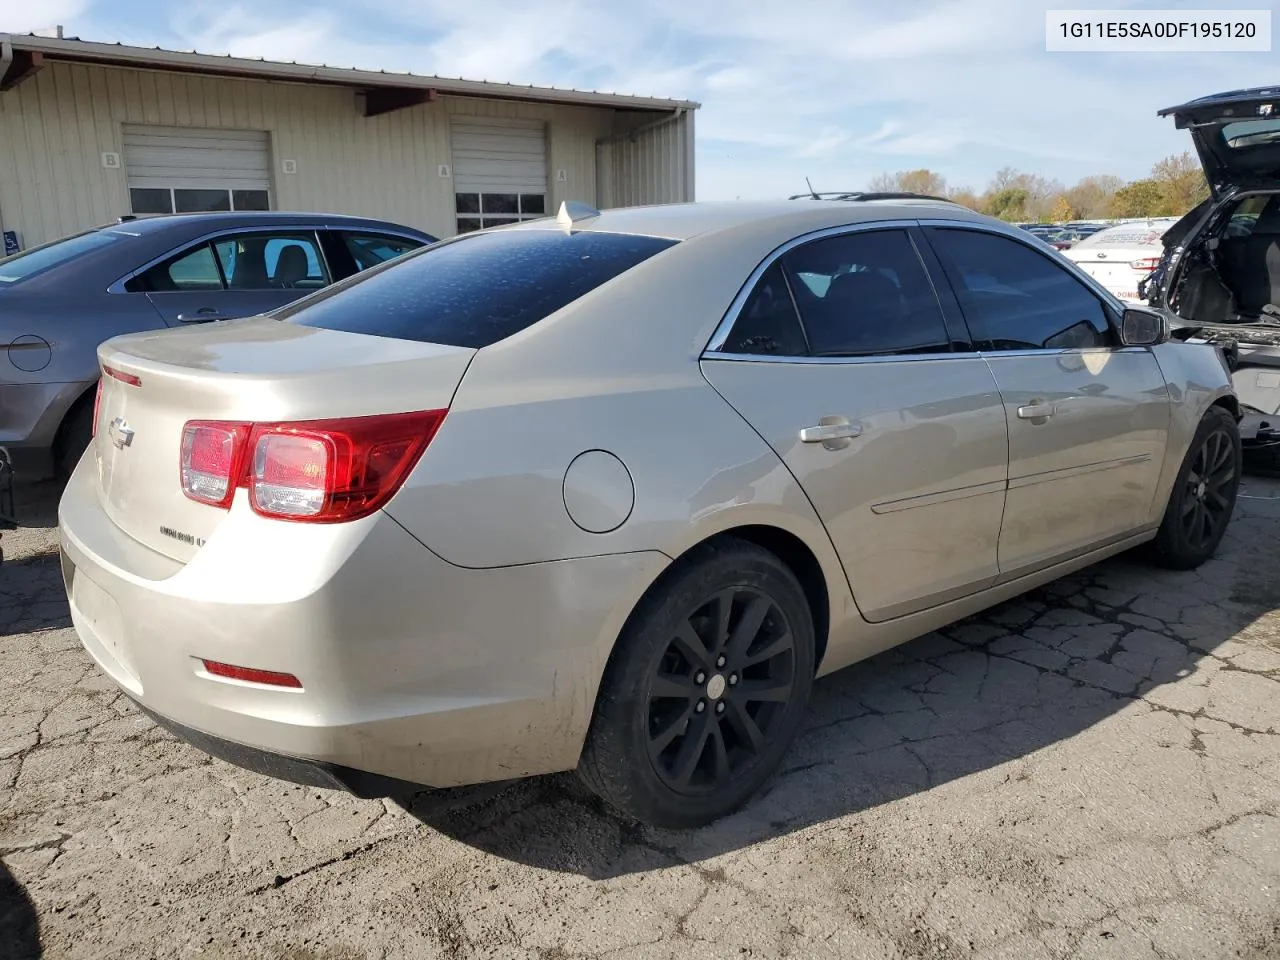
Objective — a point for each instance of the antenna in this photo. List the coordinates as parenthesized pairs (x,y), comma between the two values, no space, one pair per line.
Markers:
(813,193)
(572,211)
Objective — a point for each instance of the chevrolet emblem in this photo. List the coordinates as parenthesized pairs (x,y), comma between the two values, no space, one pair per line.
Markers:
(121,433)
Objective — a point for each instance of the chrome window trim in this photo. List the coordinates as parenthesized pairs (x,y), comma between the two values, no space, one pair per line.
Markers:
(721,333)
(314,229)
(924,357)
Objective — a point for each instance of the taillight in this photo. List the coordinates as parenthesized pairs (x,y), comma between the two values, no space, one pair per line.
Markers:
(1146,264)
(323,471)
(211,460)
(97,408)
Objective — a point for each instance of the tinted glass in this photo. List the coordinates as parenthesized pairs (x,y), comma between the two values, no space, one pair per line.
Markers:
(251,199)
(532,203)
(866,294)
(201,201)
(1017,299)
(499,203)
(768,323)
(467,202)
(478,290)
(468,224)
(369,250)
(48,255)
(149,200)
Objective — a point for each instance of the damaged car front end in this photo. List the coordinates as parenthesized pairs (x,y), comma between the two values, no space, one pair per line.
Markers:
(1218,280)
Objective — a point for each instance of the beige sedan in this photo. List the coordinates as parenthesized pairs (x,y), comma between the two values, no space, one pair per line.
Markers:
(606,492)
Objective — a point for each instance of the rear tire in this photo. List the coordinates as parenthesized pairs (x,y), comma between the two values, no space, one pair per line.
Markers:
(74,439)
(1203,496)
(705,690)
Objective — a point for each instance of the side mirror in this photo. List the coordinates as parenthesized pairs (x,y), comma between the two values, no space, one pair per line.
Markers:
(1143,328)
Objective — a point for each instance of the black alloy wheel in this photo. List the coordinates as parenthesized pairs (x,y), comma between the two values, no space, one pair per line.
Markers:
(705,689)
(1203,496)
(720,687)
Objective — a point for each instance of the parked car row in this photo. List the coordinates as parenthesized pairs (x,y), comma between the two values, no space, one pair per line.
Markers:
(606,492)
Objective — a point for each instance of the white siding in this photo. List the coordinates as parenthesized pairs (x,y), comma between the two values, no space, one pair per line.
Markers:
(652,163)
(55,126)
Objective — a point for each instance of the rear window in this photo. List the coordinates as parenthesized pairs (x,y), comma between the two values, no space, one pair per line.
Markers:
(49,255)
(477,290)
(1251,133)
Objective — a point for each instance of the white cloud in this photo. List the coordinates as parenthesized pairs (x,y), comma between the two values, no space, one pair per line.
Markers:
(21,16)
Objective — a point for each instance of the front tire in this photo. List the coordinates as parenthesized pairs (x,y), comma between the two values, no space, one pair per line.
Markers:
(1203,496)
(705,690)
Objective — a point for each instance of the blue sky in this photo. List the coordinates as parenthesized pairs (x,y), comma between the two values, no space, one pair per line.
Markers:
(838,90)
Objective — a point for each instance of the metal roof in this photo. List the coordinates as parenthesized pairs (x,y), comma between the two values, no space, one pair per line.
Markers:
(154,58)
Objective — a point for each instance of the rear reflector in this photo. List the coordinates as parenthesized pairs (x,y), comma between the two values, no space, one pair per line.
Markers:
(97,407)
(132,379)
(321,471)
(269,677)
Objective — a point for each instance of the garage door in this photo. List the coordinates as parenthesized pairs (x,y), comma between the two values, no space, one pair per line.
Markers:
(499,171)
(189,169)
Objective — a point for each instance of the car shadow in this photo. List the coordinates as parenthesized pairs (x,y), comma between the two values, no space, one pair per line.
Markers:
(19,926)
(996,687)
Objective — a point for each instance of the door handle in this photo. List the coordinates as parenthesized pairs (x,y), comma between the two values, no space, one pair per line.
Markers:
(824,432)
(1037,410)
(201,315)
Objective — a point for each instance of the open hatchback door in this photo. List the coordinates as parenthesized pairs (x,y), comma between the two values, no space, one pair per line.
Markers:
(1237,135)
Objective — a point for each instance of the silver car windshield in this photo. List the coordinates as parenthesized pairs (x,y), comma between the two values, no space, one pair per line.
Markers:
(49,255)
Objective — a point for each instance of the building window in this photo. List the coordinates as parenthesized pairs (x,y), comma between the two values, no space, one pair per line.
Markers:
(479,210)
(185,200)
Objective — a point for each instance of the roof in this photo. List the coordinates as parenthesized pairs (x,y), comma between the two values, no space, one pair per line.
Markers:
(154,58)
(1226,98)
(681,221)
(216,220)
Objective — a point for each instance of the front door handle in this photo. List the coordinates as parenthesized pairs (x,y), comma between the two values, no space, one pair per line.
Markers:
(1037,410)
(831,428)
(203,315)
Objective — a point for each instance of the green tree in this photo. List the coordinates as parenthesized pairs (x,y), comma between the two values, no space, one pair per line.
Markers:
(1142,198)
(1009,203)
(1181,181)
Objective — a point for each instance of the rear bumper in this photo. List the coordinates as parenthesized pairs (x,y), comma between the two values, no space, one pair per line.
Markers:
(412,669)
(311,773)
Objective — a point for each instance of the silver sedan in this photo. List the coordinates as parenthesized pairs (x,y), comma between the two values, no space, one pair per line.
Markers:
(606,492)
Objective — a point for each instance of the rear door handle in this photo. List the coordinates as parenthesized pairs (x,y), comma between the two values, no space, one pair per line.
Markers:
(1037,410)
(824,432)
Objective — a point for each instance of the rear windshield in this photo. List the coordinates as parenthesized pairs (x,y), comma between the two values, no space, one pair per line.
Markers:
(48,255)
(477,290)
(1251,133)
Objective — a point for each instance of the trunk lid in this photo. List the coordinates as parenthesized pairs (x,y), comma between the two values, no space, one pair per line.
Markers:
(1236,134)
(251,370)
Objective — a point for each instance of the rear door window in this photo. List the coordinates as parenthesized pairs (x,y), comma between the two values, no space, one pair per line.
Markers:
(477,290)
(866,294)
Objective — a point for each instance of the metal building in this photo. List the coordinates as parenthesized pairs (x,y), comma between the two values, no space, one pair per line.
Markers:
(93,131)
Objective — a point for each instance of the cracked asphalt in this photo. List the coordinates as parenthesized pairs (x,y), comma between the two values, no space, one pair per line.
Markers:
(1089,771)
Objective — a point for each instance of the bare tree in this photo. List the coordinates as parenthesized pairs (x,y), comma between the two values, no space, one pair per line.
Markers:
(910,181)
